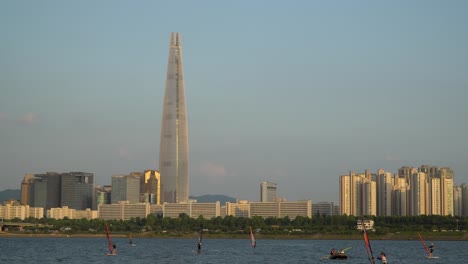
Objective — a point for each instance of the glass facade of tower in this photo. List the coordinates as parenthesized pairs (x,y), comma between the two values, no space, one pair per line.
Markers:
(173,156)
(77,190)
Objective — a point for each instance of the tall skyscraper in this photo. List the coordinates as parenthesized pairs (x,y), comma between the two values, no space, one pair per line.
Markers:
(173,152)
(268,192)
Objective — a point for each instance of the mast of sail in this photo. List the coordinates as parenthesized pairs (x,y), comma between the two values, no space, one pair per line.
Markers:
(424,244)
(200,234)
(370,254)
(252,238)
(108,238)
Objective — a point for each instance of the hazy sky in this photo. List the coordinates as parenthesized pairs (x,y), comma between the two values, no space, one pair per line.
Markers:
(294,92)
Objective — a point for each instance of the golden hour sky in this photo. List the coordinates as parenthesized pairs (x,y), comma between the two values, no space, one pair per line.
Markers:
(294,92)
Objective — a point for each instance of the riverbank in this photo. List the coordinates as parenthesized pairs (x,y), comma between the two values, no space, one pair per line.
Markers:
(356,236)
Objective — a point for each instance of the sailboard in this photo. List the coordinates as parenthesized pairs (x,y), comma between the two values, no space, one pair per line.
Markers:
(253,242)
(367,244)
(109,243)
(426,248)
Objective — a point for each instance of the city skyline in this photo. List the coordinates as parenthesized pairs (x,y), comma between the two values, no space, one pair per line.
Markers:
(295,94)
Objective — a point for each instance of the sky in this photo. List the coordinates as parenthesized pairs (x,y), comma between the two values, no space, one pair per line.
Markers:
(293,92)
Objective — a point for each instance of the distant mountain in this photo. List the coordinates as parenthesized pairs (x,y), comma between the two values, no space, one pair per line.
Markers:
(211,198)
(9,194)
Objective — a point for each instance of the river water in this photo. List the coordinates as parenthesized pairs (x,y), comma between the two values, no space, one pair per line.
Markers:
(152,250)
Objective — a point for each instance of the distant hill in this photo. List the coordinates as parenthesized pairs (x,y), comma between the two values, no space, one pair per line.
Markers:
(211,198)
(9,194)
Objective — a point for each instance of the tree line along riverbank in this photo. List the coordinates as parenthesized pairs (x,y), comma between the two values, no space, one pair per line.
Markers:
(316,227)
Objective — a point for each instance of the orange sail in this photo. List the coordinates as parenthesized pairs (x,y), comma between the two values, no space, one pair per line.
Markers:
(253,243)
(109,239)
(424,244)
(370,254)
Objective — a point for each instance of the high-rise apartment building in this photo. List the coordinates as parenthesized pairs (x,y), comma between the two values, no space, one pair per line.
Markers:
(419,194)
(457,200)
(173,155)
(268,191)
(400,196)
(424,190)
(384,193)
(345,194)
(465,200)
(446,192)
(369,197)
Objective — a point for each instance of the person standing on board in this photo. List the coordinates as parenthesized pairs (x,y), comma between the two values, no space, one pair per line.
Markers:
(382,258)
(199,246)
(114,249)
(431,249)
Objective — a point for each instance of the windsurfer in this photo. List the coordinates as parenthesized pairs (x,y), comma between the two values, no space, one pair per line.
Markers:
(431,249)
(332,252)
(114,248)
(382,258)
(199,246)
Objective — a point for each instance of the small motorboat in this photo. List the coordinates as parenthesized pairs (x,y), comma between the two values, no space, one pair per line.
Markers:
(338,256)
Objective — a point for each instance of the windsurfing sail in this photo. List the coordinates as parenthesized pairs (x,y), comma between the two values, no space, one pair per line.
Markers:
(424,244)
(200,237)
(200,234)
(370,254)
(253,243)
(109,241)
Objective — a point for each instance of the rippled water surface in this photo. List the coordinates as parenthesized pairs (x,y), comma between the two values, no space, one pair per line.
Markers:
(92,250)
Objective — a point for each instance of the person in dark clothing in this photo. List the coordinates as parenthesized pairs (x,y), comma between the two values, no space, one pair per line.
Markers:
(382,258)
(199,246)
(431,250)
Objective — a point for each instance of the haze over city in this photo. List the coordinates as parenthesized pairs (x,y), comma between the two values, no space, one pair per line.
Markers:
(297,93)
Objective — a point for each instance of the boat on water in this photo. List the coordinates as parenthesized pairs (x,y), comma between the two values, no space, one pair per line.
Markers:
(338,256)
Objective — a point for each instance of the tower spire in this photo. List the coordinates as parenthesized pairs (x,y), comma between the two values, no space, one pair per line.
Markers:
(178,40)
(172,39)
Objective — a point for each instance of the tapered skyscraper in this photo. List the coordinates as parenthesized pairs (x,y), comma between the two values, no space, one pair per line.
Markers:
(173,153)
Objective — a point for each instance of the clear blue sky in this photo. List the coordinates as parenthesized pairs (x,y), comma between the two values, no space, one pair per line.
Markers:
(294,92)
